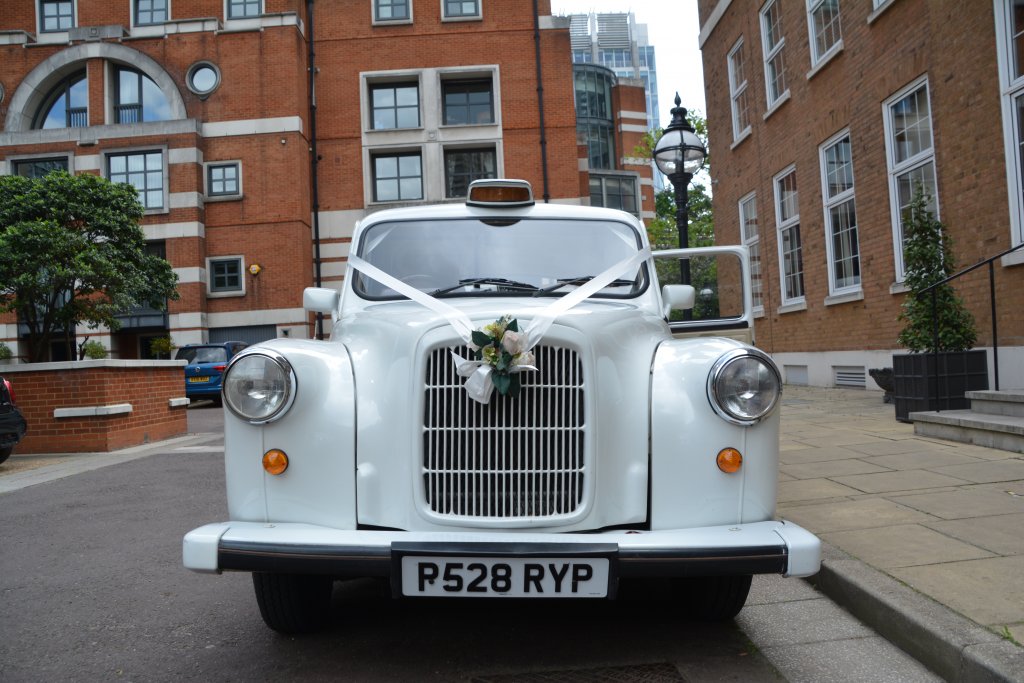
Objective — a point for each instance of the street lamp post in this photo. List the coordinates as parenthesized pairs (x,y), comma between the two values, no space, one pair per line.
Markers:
(679,154)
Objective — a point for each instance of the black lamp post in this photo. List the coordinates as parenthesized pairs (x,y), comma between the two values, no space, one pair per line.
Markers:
(679,154)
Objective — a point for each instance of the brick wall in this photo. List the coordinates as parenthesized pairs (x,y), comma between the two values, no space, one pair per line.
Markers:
(147,386)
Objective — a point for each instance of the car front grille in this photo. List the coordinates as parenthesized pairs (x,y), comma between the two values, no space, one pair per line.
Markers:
(513,458)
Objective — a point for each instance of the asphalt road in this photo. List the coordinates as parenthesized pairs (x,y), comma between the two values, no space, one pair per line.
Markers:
(92,588)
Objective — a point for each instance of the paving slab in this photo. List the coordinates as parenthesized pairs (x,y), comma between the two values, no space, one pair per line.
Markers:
(895,447)
(989,591)
(816,454)
(986,472)
(871,660)
(905,545)
(1000,534)
(901,480)
(812,621)
(921,460)
(963,503)
(812,489)
(830,468)
(865,513)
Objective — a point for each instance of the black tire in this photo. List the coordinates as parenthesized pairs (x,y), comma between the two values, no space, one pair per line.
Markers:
(292,603)
(5,453)
(712,598)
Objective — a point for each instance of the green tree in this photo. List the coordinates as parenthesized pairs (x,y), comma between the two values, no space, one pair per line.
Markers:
(927,259)
(72,252)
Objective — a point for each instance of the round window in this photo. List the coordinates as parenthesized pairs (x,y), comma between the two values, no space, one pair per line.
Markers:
(203,78)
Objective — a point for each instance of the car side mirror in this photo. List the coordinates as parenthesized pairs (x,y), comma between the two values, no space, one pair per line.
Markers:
(677,298)
(320,299)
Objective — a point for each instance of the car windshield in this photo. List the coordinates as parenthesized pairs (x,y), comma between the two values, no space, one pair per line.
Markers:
(203,354)
(471,257)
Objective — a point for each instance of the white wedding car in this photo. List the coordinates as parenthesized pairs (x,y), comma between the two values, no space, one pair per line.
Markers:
(603,444)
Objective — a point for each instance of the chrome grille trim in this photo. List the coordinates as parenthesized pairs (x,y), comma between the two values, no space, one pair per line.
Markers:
(514,458)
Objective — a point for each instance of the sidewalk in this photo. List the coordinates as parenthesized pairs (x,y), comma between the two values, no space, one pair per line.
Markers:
(897,511)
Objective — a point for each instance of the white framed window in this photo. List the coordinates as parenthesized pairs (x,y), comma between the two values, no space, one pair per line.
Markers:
(773,44)
(615,191)
(144,170)
(842,243)
(751,235)
(461,10)
(243,9)
(56,15)
(394,105)
(787,223)
(397,177)
(738,92)
(824,26)
(467,102)
(910,153)
(223,179)
(37,167)
(225,276)
(1010,51)
(392,11)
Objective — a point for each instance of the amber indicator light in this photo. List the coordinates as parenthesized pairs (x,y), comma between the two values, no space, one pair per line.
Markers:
(275,461)
(500,194)
(729,460)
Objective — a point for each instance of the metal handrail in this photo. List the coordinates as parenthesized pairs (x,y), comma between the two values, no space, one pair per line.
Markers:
(992,299)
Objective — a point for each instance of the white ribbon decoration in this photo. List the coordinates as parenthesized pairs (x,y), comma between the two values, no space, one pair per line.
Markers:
(479,385)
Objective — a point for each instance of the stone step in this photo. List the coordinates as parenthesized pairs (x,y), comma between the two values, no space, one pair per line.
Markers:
(1005,432)
(997,402)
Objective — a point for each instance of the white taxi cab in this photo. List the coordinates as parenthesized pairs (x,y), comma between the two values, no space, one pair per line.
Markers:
(509,405)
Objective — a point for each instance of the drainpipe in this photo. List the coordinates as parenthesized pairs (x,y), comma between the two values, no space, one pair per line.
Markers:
(540,103)
(314,163)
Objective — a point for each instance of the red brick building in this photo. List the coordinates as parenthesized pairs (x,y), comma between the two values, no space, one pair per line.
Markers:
(205,106)
(825,115)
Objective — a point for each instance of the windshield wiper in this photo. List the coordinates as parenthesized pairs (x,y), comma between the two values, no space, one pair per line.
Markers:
(499,281)
(582,280)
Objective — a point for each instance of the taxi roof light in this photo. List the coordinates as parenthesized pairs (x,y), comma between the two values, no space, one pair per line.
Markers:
(500,193)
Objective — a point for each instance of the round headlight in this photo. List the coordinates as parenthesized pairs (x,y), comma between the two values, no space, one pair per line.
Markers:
(744,385)
(259,387)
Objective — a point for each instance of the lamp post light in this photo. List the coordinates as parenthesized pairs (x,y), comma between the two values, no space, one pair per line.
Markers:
(679,154)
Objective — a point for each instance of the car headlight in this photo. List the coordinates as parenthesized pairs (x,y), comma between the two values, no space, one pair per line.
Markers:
(260,386)
(743,386)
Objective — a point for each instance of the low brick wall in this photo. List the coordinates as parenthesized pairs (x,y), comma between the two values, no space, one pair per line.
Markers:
(98,405)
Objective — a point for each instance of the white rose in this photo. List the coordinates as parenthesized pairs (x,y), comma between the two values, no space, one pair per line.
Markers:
(525,358)
(513,342)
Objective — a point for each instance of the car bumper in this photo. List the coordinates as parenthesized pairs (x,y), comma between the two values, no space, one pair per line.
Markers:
(202,389)
(12,428)
(757,548)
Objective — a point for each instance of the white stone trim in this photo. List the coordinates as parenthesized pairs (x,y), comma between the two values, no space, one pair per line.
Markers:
(339,224)
(713,19)
(178,402)
(276,316)
(190,275)
(640,115)
(166,231)
(185,155)
(178,321)
(282,124)
(93,411)
(185,200)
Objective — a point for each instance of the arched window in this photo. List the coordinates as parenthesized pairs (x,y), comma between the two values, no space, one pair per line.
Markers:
(67,105)
(139,99)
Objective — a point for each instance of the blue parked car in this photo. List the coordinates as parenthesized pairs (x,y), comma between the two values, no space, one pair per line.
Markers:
(206,363)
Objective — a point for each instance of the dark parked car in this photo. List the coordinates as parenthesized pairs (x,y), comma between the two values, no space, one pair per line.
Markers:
(12,422)
(206,363)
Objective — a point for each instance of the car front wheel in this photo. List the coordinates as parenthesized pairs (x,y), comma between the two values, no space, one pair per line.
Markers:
(712,598)
(5,453)
(291,603)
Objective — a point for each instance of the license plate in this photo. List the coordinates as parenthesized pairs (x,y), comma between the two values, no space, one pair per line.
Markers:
(198,380)
(511,577)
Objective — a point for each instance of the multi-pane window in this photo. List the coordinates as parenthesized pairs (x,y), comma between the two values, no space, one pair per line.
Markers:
(738,92)
(614,192)
(150,12)
(911,158)
(56,15)
(773,44)
(841,241)
(463,166)
(461,8)
(787,221)
(395,105)
(226,275)
(240,9)
(390,10)
(468,102)
(37,168)
(222,180)
(616,58)
(397,177)
(752,239)
(144,171)
(1010,44)
(823,21)
(67,105)
(139,99)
